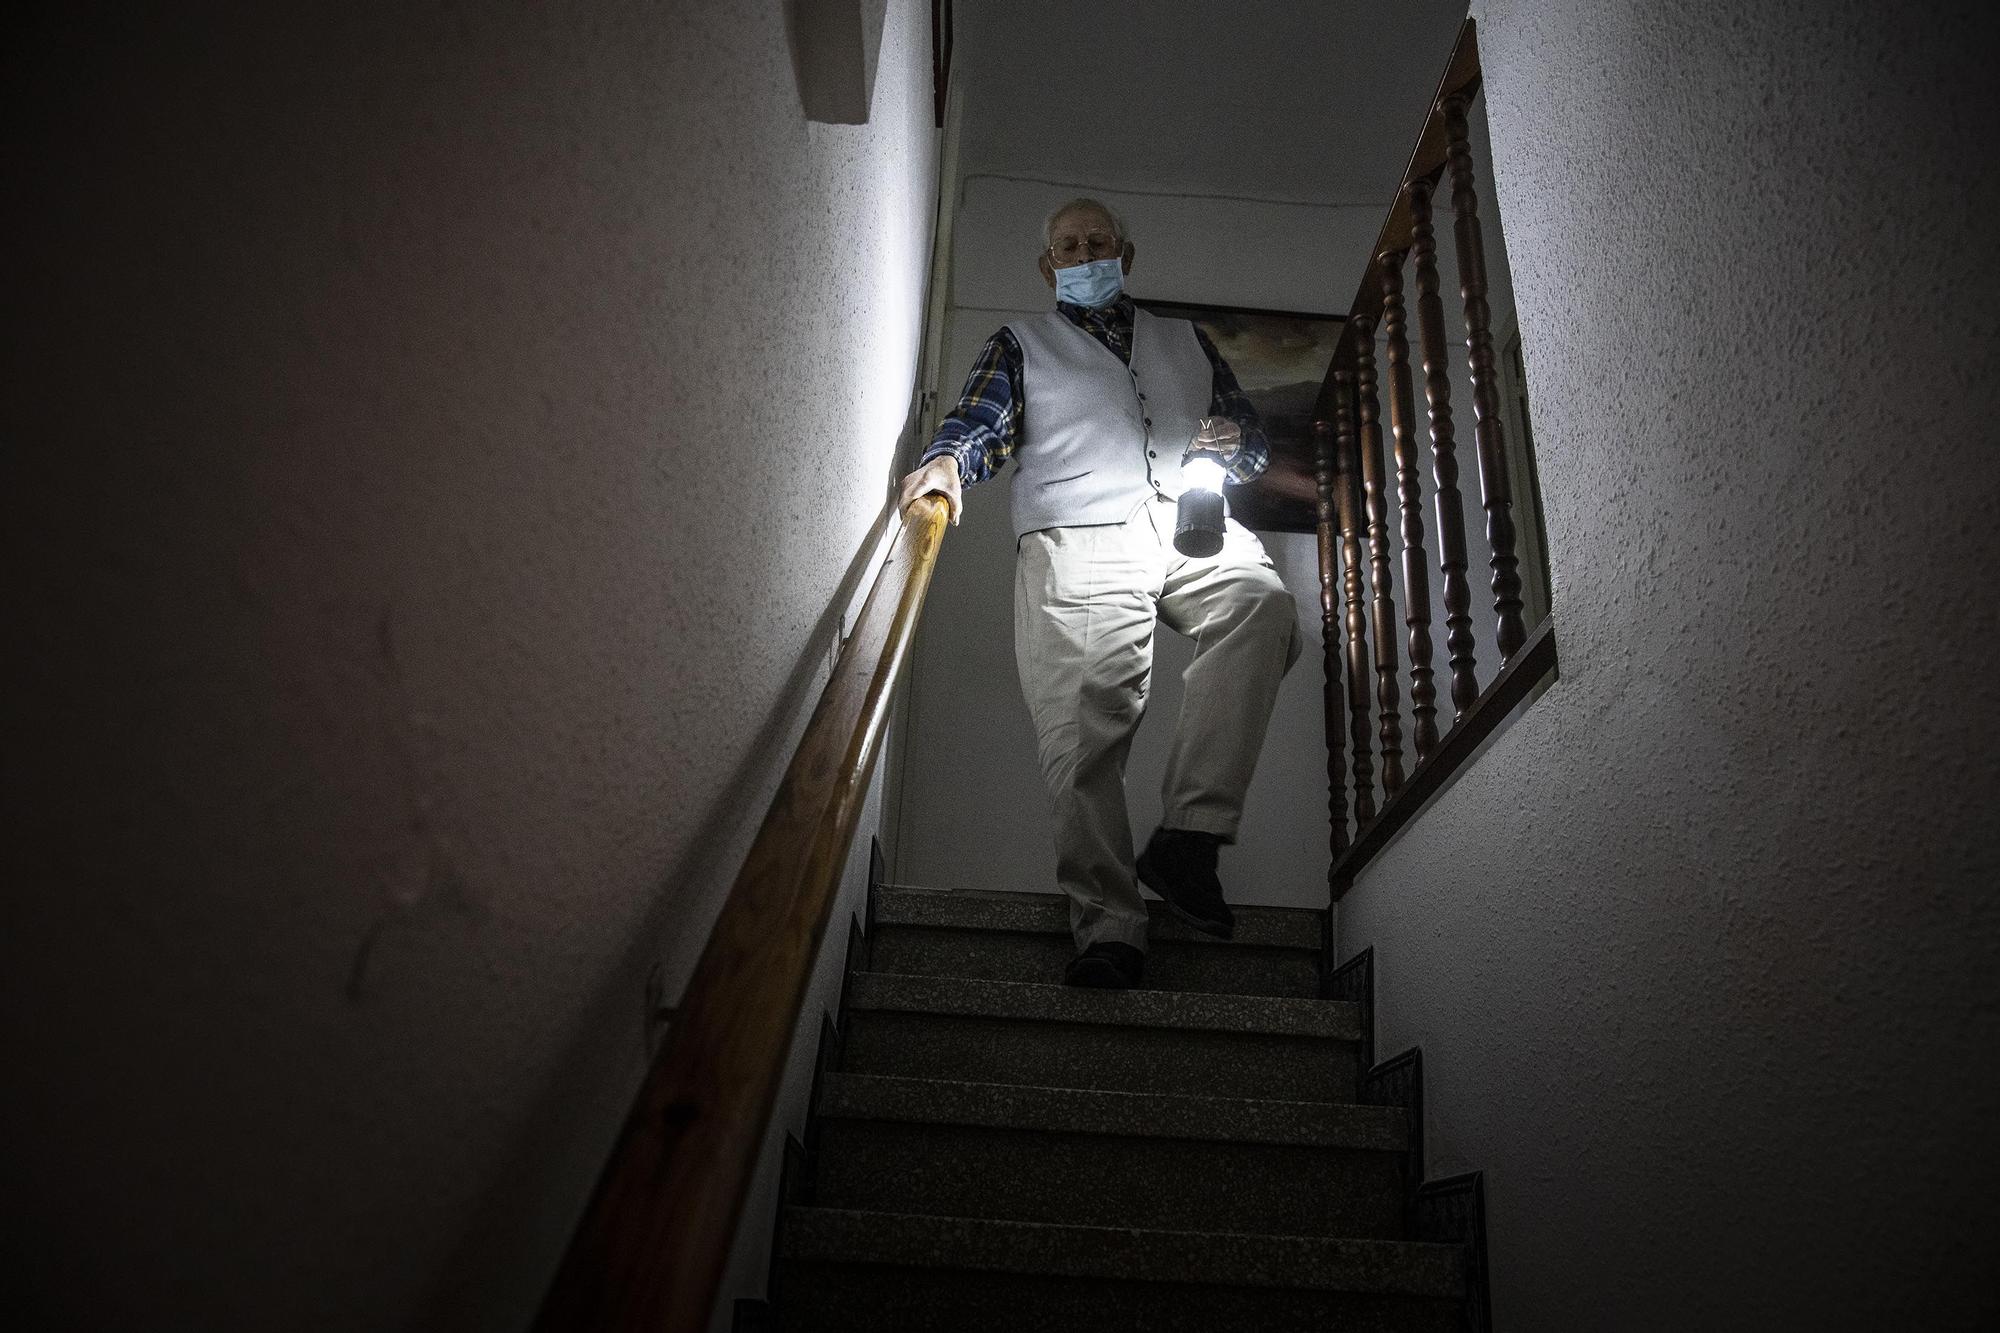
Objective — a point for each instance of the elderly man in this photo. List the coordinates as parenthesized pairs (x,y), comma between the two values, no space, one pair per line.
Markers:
(1098,403)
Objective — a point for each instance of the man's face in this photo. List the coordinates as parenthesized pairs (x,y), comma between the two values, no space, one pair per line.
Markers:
(1079,236)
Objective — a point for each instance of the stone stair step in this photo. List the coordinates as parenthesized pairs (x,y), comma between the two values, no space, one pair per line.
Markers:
(1266,1015)
(1048,913)
(1097,1111)
(1172,965)
(1109,1158)
(1138,1041)
(842,1269)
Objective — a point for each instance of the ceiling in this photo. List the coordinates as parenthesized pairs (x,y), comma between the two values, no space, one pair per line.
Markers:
(1306,101)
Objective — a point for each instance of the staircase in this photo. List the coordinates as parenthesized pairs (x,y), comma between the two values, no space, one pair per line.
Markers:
(991,1150)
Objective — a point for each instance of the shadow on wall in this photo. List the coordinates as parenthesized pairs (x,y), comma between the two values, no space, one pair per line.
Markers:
(660,952)
(835,46)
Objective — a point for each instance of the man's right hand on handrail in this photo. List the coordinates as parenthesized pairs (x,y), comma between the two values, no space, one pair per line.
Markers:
(937,477)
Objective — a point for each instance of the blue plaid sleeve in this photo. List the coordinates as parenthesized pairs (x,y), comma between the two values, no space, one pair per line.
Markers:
(1227,399)
(983,429)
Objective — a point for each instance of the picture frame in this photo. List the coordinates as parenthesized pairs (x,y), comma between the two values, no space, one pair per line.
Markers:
(1279,357)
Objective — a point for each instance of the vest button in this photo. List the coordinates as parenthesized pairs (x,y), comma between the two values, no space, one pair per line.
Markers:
(1151,454)
(1149,421)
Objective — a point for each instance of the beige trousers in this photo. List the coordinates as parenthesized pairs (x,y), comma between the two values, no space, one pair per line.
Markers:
(1085,601)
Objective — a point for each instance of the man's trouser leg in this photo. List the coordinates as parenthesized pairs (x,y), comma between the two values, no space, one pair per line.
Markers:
(1083,640)
(1244,624)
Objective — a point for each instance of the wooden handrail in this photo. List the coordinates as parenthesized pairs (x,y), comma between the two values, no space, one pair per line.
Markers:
(1426,163)
(650,1250)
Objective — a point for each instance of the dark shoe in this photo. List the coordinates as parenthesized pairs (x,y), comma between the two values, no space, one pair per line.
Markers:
(1107,966)
(1179,865)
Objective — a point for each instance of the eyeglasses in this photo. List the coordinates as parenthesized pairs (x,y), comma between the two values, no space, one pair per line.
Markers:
(1067,250)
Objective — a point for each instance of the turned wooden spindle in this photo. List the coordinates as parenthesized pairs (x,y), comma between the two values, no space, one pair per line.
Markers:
(1458,643)
(1382,600)
(1347,503)
(1495,494)
(1409,493)
(1328,528)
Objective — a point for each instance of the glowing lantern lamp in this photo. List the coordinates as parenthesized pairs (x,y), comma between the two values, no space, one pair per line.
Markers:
(1198,522)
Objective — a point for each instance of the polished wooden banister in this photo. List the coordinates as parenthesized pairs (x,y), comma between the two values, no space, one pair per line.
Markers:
(1327,531)
(650,1249)
(1495,491)
(1426,163)
(1410,499)
(1354,491)
(1381,603)
(1347,509)
(1452,561)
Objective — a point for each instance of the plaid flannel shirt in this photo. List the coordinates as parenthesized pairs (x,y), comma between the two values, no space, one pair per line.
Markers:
(983,431)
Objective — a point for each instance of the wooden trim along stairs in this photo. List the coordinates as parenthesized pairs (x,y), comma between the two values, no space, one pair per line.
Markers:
(650,1250)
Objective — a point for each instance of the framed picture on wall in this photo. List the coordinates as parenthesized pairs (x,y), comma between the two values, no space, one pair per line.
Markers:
(1279,357)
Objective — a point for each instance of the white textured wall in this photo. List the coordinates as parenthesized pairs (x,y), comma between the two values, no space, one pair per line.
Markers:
(434,439)
(1703,952)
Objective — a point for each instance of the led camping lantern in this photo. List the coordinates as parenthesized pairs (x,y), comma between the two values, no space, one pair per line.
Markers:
(1199,520)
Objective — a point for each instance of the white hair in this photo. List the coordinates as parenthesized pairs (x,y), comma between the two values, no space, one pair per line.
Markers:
(1084,201)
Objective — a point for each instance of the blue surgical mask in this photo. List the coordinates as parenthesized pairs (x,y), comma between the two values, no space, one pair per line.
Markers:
(1093,284)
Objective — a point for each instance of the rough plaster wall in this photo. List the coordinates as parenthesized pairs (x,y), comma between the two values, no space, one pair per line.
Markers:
(1703,953)
(435,437)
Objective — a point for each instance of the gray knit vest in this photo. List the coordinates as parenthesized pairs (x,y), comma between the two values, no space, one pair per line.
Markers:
(1098,437)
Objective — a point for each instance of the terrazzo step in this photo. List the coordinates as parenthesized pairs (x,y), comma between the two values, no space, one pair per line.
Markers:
(1052,1036)
(841,1269)
(1109,1158)
(1026,937)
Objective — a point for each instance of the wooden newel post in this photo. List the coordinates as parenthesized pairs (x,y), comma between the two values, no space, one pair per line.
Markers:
(1381,587)
(1444,454)
(1410,498)
(1333,701)
(1495,494)
(1347,504)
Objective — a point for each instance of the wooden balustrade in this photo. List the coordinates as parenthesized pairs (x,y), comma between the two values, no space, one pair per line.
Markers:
(1347,505)
(1495,493)
(1452,562)
(1410,499)
(1328,530)
(1354,504)
(1382,602)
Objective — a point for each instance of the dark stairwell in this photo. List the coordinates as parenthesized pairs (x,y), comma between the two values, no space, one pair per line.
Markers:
(987,1148)
(399,679)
